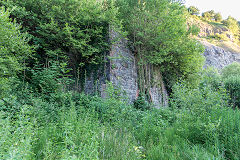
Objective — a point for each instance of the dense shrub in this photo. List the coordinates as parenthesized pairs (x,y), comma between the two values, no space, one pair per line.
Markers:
(159,35)
(141,103)
(209,15)
(211,78)
(231,70)
(72,31)
(193,10)
(40,119)
(72,126)
(14,49)
(218,17)
(232,24)
(232,84)
(231,79)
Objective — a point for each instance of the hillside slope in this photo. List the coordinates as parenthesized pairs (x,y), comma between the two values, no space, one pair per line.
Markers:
(219,57)
(221,45)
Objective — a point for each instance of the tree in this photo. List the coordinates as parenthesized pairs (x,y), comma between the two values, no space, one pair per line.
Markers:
(209,15)
(231,79)
(218,17)
(193,10)
(206,15)
(232,24)
(160,37)
(72,31)
(14,49)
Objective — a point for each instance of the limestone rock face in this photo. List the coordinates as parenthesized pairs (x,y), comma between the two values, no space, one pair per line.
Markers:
(218,57)
(120,69)
(123,72)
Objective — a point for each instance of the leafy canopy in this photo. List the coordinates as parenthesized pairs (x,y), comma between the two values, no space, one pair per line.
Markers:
(158,31)
(65,30)
(232,24)
(14,49)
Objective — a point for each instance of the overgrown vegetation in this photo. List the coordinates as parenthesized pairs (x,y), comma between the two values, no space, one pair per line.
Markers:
(197,125)
(41,119)
(71,33)
(14,50)
(222,29)
(160,37)
(231,77)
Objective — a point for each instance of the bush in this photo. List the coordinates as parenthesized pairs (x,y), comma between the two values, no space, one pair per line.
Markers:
(231,79)
(222,36)
(232,24)
(14,50)
(170,47)
(141,103)
(18,135)
(205,118)
(40,120)
(211,78)
(193,10)
(231,70)
(218,17)
(209,15)
(46,80)
(66,31)
(232,84)
(73,126)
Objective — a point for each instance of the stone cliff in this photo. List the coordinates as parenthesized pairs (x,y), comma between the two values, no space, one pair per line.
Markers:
(221,46)
(120,69)
(219,57)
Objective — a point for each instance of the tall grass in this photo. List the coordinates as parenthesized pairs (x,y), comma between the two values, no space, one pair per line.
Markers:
(197,125)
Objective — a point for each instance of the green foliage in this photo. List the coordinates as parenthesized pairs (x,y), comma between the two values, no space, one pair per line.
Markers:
(212,78)
(17,135)
(159,35)
(209,15)
(231,79)
(73,31)
(49,80)
(76,126)
(232,24)
(222,36)
(231,70)
(194,30)
(193,10)
(141,103)
(218,17)
(39,119)
(205,119)
(14,49)
(232,84)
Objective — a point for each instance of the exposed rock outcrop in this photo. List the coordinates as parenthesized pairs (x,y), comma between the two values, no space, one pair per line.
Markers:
(123,73)
(120,69)
(123,70)
(219,57)
(207,29)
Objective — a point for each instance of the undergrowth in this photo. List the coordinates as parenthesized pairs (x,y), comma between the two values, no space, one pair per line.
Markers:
(41,119)
(68,125)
